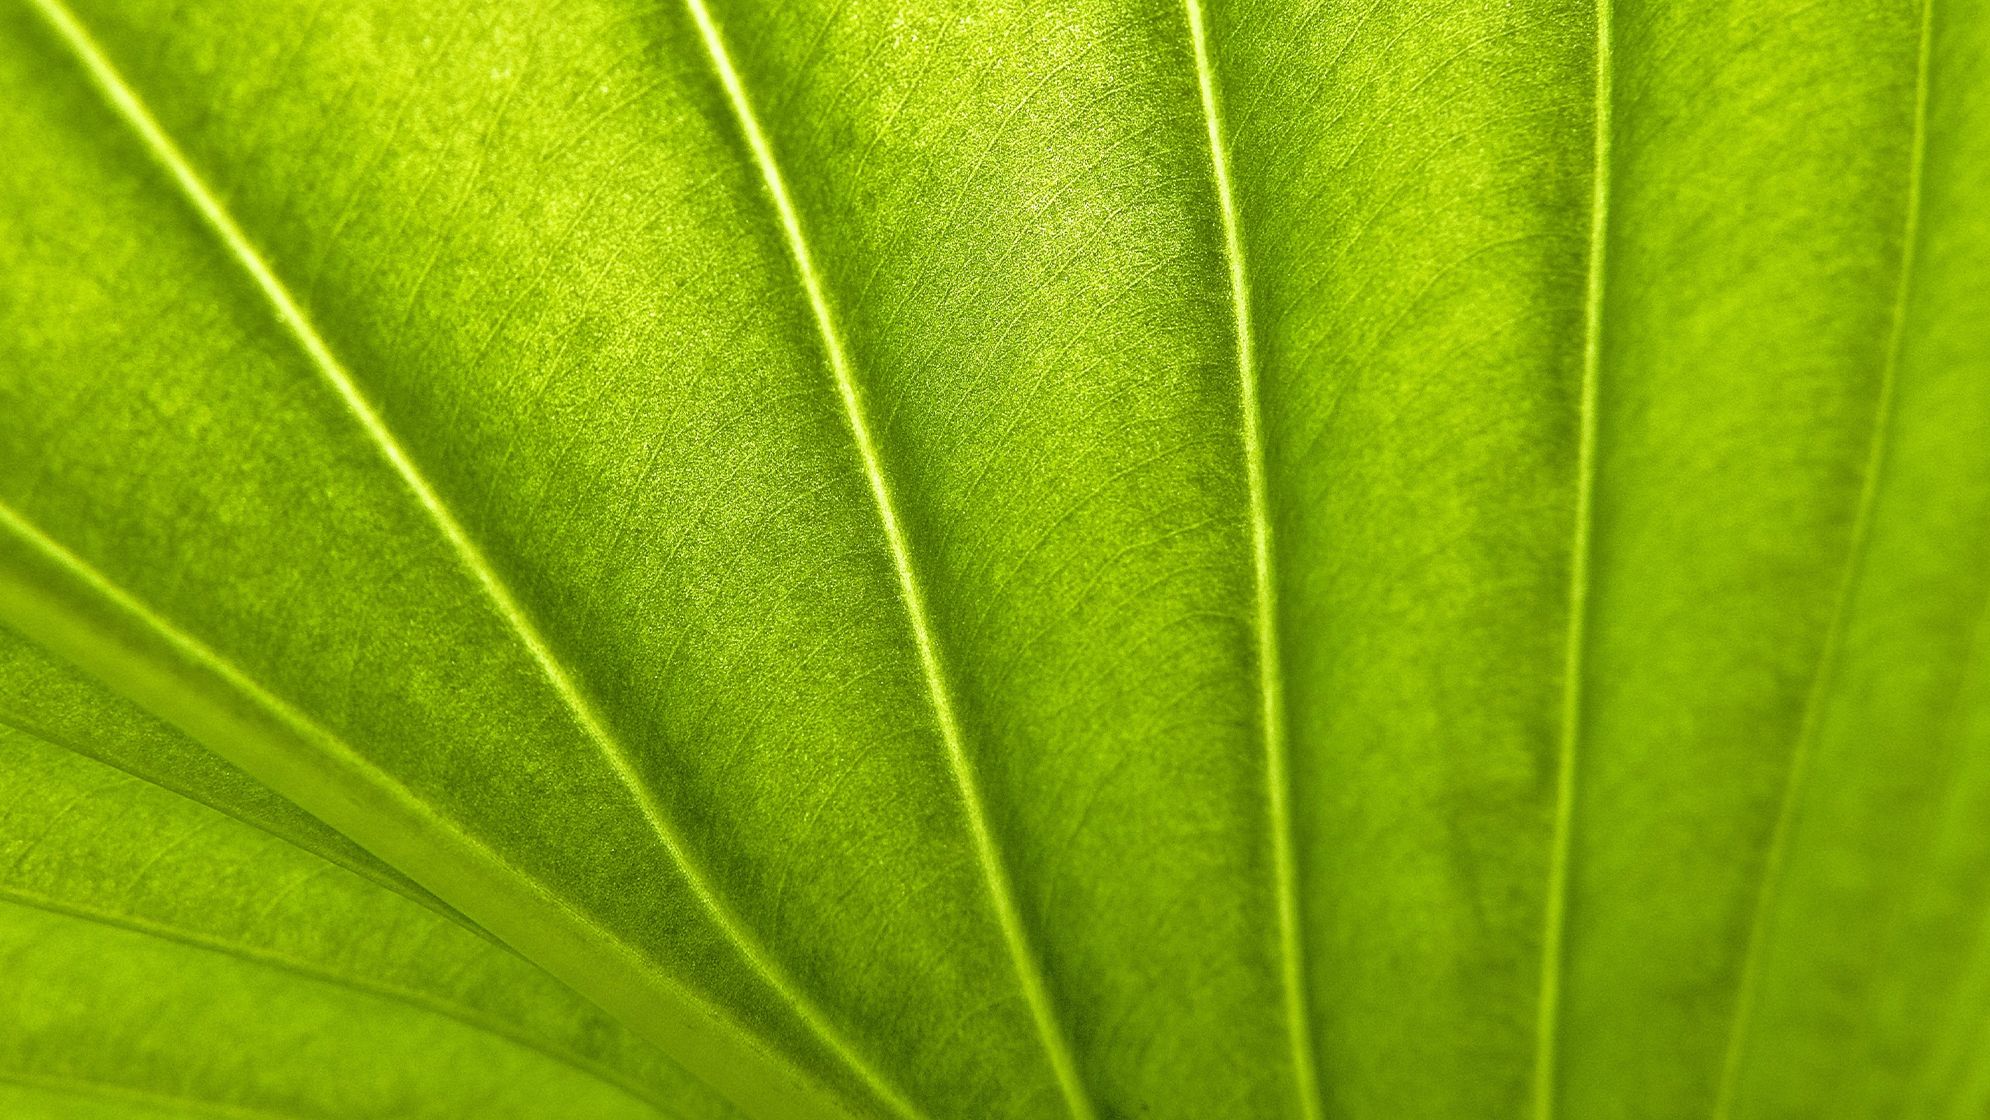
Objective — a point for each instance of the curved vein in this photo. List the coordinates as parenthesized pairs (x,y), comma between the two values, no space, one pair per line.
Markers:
(583,708)
(1774,864)
(1029,970)
(1271,675)
(387,992)
(1547,1027)
(355,796)
(373,871)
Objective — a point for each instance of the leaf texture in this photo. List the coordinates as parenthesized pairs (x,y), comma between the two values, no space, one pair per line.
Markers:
(160,953)
(1107,559)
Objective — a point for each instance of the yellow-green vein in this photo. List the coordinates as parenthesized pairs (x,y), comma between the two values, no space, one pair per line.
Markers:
(131,108)
(1271,678)
(1029,970)
(1554,924)
(387,992)
(1770,885)
(43,589)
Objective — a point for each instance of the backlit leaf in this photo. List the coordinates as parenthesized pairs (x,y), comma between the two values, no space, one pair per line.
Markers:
(1100,559)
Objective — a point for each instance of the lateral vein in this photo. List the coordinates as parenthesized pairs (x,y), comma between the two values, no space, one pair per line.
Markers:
(1555,916)
(376,873)
(386,992)
(1774,865)
(1029,970)
(126,101)
(1271,676)
(402,807)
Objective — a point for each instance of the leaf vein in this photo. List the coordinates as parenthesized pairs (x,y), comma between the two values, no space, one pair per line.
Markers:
(1555,910)
(512,612)
(1029,970)
(1270,682)
(1775,863)
(341,764)
(278,961)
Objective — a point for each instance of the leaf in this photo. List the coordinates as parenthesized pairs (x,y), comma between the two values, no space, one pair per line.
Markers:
(1094,560)
(55,704)
(160,954)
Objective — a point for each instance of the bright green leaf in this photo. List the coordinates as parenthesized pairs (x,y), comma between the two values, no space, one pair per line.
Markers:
(160,953)
(1098,560)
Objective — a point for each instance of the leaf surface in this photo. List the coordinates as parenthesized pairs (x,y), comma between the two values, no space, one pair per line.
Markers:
(1102,559)
(163,956)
